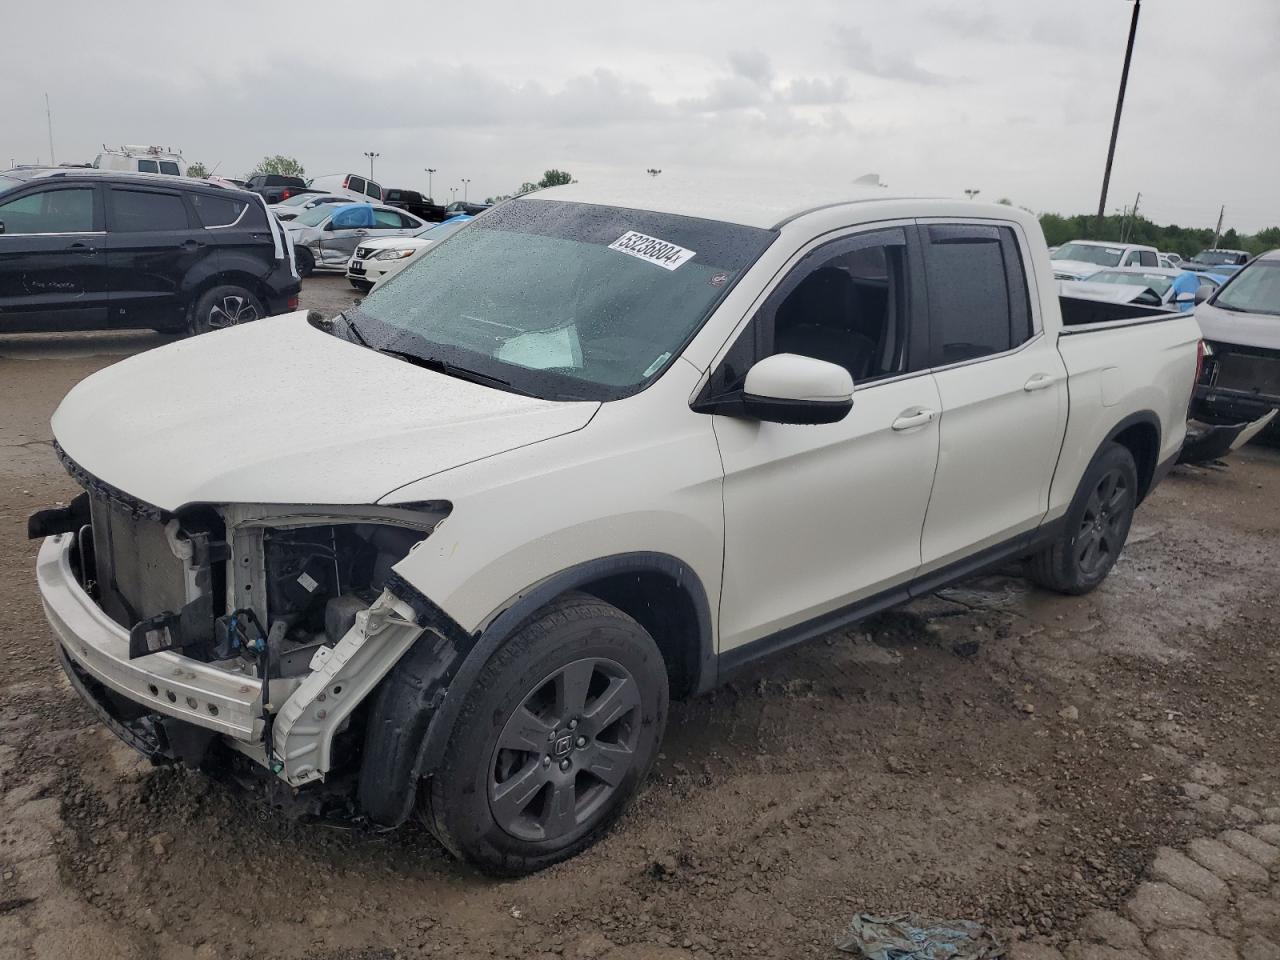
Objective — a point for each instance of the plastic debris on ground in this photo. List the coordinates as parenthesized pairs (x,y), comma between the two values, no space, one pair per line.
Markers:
(909,936)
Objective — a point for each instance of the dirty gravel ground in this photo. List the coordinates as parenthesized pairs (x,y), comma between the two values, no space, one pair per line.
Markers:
(993,752)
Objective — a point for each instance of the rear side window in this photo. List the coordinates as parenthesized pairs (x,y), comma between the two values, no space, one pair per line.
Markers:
(356,184)
(978,300)
(372,189)
(217,211)
(136,211)
(148,166)
(1147,258)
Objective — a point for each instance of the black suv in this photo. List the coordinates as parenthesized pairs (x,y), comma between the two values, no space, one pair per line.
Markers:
(101,250)
(274,187)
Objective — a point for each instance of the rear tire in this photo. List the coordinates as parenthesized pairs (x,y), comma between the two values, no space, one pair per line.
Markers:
(224,306)
(364,286)
(1095,528)
(304,260)
(555,736)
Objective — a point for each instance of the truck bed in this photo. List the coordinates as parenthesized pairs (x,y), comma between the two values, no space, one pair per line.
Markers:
(1082,311)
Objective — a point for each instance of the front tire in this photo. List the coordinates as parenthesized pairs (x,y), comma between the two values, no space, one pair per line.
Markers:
(1096,526)
(555,736)
(364,286)
(224,306)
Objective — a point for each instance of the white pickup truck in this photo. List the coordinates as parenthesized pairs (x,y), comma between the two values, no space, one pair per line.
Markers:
(1080,259)
(455,548)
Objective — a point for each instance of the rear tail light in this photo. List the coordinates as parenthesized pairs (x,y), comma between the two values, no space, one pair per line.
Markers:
(286,193)
(1200,354)
(292,303)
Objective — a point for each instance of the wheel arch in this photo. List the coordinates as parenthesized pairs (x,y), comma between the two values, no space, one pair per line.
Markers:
(421,698)
(1140,434)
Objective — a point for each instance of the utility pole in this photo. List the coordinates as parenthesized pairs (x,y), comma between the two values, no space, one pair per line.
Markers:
(430,171)
(466,185)
(371,155)
(1133,217)
(1217,234)
(1115,126)
(48,115)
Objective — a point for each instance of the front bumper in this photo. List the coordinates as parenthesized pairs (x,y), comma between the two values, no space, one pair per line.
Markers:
(201,694)
(371,270)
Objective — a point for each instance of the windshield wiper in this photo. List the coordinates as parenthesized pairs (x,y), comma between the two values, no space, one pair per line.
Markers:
(453,370)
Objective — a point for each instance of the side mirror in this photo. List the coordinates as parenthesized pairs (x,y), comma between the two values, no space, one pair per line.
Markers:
(789,388)
(1202,294)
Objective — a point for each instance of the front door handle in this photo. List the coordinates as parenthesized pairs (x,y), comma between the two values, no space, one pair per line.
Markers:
(1041,381)
(80,248)
(362,233)
(191,244)
(911,419)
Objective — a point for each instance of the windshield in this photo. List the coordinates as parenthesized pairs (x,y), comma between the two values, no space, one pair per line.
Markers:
(1216,258)
(562,300)
(442,230)
(8,183)
(298,199)
(1087,253)
(315,216)
(1152,281)
(1255,289)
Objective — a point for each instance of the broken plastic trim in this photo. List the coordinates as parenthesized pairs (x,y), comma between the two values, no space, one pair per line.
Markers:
(107,492)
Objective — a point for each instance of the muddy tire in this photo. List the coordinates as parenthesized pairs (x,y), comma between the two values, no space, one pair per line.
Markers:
(224,306)
(1095,528)
(555,736)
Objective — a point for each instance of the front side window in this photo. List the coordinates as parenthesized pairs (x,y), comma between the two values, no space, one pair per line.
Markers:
(1255,289)
(49,211)
(356,184)
(562,300)
(846,302)
(373,190)
(978,300)
(148,166)
(138,211)
(169,167)
(1147,259)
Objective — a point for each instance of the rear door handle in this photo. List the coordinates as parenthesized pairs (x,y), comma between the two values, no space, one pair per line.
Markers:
(1041,381)
(191,244)
(80,248)
(911,419)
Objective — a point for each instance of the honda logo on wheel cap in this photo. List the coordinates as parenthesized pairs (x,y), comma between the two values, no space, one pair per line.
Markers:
(564,746)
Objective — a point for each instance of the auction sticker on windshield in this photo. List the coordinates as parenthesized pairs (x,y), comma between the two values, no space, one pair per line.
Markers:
(660,252)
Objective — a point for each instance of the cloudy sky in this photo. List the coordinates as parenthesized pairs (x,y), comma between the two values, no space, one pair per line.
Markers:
(1013,97)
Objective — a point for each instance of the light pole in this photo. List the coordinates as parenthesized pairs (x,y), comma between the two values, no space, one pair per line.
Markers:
(653,171)
(466,185)
(1115,125)
(371,155)
(971,193)
(430,171)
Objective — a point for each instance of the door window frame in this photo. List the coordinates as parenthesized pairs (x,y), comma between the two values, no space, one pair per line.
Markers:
(917,315)
(1030,280)
(46,186)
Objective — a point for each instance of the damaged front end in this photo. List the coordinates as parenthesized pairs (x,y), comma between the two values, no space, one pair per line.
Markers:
(230,632)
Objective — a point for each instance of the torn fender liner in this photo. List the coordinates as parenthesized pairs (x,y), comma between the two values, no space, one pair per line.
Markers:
(405,703)
(909,936)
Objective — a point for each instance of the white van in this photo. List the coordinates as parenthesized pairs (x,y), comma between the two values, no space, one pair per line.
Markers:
(142,159)
(348,184)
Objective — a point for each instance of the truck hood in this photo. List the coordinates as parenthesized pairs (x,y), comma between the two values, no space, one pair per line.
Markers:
(277,411)
(1244,329)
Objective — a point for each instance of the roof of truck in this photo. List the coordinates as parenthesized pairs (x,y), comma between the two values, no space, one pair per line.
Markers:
(765,202)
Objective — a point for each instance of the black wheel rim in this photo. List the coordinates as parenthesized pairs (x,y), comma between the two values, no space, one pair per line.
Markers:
(1103,526)
(231,310)
(565,751)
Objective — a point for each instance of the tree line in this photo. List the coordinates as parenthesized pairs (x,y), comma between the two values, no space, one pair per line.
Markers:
(1187,241)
